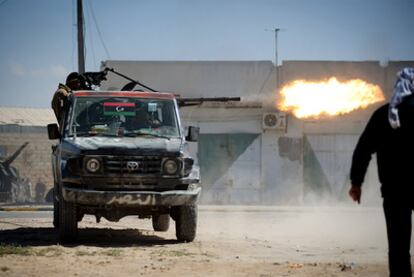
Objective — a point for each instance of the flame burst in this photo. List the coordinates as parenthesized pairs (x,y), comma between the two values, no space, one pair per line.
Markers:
(328,98)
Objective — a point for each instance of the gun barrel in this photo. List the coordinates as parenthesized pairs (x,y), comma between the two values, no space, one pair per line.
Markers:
(10,159)
(183,101)
(209,99)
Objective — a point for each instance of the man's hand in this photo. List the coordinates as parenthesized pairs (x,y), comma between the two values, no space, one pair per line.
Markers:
(355,193)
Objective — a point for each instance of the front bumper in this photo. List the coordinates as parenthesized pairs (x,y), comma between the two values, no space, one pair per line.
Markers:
(131,198)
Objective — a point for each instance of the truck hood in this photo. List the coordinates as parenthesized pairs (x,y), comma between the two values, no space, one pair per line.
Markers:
(137,143)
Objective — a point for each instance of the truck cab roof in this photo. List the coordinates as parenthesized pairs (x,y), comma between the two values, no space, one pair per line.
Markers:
(134,94)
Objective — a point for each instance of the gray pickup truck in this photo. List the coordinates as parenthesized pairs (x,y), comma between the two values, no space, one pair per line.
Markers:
(124,153)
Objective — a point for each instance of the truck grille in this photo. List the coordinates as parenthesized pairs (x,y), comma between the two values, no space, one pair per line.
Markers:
(132,165)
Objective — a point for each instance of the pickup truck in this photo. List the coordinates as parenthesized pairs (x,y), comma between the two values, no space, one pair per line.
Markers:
(122,153)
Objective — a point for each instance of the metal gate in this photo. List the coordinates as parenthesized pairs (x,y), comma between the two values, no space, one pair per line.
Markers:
(230,168)
(327,162)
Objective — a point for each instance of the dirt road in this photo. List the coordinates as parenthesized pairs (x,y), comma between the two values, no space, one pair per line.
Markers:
(231,241)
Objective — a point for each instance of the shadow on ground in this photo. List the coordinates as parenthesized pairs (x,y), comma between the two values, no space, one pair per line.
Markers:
(101,237)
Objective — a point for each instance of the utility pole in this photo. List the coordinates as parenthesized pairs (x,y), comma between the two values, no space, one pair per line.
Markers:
(276,31)
(81,38)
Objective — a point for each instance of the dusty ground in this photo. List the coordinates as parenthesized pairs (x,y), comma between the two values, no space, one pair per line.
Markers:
(231,241)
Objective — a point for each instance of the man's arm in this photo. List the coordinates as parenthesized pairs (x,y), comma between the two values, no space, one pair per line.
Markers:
(58,102)
(364,149)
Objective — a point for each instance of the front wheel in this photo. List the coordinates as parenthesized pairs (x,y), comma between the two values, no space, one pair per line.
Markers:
(161,222)
(68,222)
(185,223)
(55,210)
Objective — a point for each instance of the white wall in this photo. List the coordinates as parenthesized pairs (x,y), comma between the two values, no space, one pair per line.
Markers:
(281,167)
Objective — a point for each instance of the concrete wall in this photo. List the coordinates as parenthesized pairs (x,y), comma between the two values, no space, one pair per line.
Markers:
(321,148)
(194,78)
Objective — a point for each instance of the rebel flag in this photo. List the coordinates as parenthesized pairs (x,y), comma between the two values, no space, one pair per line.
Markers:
(119,108)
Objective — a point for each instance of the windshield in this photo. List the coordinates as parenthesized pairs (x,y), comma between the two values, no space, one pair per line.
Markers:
(123,116)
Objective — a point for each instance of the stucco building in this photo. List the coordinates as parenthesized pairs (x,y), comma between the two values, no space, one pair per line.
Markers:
(244,157)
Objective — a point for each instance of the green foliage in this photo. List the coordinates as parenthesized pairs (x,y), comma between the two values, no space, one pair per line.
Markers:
(11,249)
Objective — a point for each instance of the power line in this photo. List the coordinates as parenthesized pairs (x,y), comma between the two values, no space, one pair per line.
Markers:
(97,29)
(73,33)
(3,2)
(88,12)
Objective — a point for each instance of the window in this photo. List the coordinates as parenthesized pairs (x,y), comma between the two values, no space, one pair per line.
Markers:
(123,116)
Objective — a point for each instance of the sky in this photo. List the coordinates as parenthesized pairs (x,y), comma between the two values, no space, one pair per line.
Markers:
(38,37)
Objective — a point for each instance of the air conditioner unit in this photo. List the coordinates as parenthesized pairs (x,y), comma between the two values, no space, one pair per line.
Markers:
(274,121)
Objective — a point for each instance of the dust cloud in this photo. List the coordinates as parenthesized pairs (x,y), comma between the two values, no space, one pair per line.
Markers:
(263,99)
(317,231)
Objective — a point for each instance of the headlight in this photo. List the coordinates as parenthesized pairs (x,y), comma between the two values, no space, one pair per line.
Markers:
(171,167)
(93,165)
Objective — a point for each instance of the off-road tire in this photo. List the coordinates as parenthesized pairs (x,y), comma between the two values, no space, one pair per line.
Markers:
(186,223)
(68,222)
(55,210)
(161,223)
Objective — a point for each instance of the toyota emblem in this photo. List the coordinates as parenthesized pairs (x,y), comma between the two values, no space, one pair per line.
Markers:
(132,166)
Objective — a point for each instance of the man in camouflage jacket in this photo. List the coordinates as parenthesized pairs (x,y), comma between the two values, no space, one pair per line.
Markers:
(60,98)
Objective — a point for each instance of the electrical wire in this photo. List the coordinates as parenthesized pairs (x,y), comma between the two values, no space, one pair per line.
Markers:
(88,12)
(3,2)
(84,34)
(73,34)
(97,29)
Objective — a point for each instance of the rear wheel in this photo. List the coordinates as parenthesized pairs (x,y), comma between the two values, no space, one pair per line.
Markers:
(161,222)
(185,223)
(68,222)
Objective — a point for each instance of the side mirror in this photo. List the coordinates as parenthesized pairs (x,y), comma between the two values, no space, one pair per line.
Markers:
(53,131)
(192,134)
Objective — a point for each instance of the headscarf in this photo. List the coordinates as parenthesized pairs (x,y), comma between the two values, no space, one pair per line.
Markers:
(404,87)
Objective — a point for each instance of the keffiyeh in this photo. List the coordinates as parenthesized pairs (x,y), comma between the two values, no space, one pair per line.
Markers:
(404,86)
